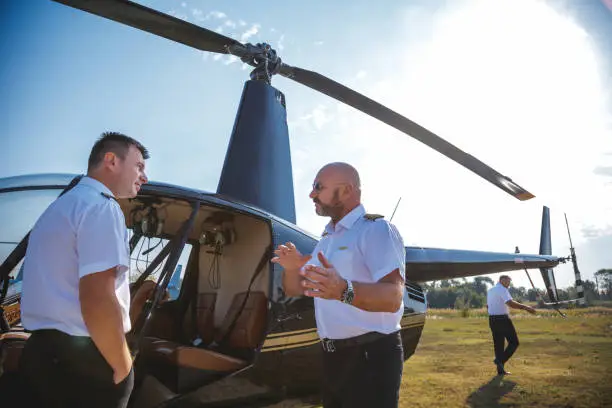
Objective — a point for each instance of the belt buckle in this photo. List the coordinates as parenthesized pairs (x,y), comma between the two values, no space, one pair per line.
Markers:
(328,345)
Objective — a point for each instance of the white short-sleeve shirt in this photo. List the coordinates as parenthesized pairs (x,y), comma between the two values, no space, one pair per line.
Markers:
(361,250)
(497,297)
(80,233)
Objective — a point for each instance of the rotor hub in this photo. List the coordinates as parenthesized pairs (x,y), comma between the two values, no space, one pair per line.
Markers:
(262,57)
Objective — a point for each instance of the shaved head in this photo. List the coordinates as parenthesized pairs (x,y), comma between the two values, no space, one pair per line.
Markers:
(336,190)
(341,173)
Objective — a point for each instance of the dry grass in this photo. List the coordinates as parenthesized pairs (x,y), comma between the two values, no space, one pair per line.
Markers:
(559,363)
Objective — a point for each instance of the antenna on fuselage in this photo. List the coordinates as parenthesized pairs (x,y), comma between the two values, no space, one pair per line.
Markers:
(396,205)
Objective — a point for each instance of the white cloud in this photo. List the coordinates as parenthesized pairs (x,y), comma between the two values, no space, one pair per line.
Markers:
(249,33)
(230,60)
(230,23)
(198,14)
(280,45)
(216,14)
(361,74)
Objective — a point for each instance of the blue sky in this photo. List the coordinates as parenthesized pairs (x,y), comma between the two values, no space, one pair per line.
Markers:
(517,84)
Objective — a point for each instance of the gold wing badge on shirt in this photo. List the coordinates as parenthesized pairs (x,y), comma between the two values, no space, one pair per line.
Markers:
(373,217)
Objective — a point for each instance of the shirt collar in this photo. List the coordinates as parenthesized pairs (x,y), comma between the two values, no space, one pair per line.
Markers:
(348,220)
(96,185)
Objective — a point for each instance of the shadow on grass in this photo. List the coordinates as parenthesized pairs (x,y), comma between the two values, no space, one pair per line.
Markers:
(489,394)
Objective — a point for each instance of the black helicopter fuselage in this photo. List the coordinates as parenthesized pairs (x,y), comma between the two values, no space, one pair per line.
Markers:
(287,353)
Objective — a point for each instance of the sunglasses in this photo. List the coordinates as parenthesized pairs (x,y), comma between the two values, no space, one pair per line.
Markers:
(317,186)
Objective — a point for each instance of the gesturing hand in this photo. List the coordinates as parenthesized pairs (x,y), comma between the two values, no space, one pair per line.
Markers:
(289,257)
(323,281)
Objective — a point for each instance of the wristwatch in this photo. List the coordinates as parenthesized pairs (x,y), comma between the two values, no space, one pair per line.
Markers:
(348,294)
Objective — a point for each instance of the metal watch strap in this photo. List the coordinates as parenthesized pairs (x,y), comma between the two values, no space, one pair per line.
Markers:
(348,294)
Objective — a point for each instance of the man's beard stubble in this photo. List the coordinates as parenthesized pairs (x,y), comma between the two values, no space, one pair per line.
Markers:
(332,209)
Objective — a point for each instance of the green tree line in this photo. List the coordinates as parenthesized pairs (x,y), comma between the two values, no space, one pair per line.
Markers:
(460,294)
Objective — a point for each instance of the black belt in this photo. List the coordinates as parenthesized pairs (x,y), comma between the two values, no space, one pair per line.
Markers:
(331,345)
(498,317)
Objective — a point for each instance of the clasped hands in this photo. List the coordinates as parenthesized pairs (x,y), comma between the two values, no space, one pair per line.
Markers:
(318,281)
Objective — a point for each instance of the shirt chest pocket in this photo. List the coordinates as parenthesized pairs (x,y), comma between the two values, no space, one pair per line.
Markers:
(342,260)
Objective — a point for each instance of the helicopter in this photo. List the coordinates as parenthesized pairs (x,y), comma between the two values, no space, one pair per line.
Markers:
(211,322)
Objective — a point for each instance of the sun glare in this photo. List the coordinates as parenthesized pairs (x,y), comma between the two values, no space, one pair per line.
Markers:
(513,83)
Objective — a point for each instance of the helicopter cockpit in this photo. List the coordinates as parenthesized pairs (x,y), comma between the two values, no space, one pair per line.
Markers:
(199,307)
(213,314)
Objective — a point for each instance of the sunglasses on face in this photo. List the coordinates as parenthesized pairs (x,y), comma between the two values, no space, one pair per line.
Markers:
(317,186)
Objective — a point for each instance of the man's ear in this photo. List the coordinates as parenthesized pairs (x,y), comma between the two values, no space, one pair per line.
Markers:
(110,159)
(348,189)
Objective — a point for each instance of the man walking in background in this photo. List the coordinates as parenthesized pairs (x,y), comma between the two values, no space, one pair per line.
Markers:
(498,300)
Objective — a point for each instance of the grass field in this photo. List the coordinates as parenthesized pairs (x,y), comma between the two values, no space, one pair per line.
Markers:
(561,362)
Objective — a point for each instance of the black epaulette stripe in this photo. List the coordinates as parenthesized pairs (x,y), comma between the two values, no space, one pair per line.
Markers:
(108,196)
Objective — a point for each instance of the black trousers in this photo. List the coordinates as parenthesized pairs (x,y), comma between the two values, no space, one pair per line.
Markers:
(367,375)
(503,329)
(60,370)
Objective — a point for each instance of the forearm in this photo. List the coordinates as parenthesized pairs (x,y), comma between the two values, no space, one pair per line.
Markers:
(102,316)
(292,282)
(378,297)
(516,305)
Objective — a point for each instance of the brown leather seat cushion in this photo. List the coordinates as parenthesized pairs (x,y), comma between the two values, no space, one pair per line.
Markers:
(192,357)
(204,318)
(248,330)
(246,334)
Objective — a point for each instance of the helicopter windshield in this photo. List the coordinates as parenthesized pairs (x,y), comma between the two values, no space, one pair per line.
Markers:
(19,211)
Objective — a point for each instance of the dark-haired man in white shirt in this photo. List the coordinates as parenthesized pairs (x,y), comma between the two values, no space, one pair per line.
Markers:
(76,297)
(498,300)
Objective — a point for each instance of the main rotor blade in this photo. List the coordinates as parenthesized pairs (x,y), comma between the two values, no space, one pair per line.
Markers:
(155,22)
(340,92)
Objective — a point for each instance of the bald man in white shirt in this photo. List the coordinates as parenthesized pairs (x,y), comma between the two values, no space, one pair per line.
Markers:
(356,276)
(75,296)
(498,300)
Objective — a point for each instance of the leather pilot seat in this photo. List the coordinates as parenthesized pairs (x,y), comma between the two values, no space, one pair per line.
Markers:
(183,368)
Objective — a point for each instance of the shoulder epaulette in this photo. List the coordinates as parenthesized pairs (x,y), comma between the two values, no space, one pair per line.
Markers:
(373,217)
(108,196)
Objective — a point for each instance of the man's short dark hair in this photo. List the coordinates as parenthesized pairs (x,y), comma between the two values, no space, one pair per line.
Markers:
(504,277)
(115,142)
